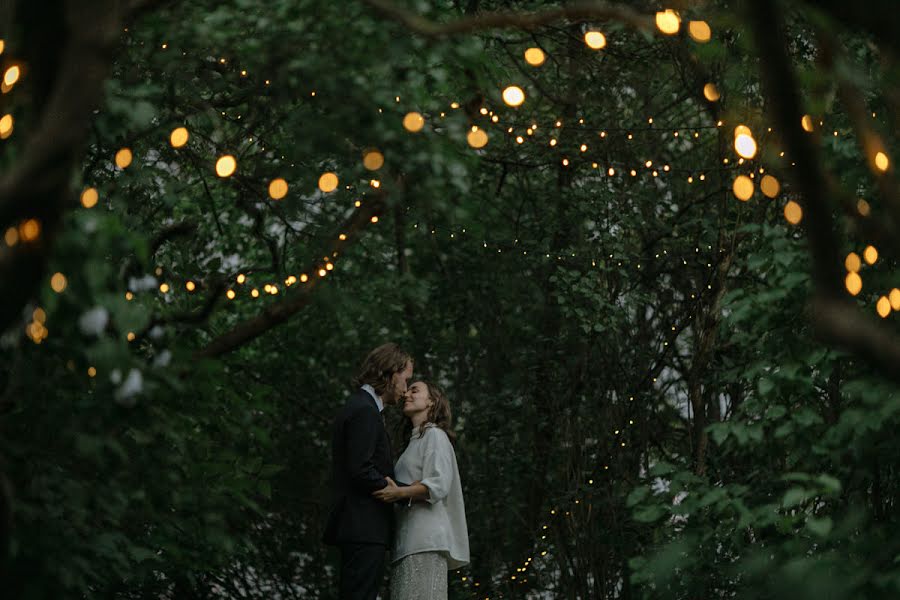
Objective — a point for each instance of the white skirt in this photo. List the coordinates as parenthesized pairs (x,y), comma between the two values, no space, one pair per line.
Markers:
(420,576)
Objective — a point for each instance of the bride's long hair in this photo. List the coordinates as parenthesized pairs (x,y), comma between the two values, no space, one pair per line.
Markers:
(439,413)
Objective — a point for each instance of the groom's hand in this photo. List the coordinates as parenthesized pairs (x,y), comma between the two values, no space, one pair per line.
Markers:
(390,493)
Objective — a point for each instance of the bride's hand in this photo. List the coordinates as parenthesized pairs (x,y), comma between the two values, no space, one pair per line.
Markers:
(391,493)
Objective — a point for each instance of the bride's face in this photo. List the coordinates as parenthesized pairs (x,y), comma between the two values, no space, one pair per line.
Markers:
(416,399)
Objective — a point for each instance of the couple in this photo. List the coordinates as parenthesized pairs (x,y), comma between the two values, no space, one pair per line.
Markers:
(423,522)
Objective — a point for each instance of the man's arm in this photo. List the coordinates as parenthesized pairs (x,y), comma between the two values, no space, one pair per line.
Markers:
(361,430)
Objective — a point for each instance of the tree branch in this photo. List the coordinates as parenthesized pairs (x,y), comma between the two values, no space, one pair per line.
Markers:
(577,11)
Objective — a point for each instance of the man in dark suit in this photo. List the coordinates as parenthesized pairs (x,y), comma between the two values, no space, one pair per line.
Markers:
(360,525)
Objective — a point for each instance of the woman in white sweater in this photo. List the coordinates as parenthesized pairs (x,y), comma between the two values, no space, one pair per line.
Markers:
(431,537)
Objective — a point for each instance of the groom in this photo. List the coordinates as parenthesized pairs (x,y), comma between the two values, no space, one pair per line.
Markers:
(360,525)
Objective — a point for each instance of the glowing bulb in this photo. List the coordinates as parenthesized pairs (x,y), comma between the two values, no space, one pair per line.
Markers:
(413,122)
(230,294)
(89,197)
(699,31)
(711,92)
(806,123)
(164,288)
(894,297)
(373,160)
(477,138)
(743,187)
(11,76)
(123,158)
(745,146)
(254,292)
(793,213)
(535,57)
(595,40)
(513,95)
(852,262)
(179,137)
(769,186)
(853,283)
(328,182)
(870,254)
(278,188)
(882,162)
(883,307)
(190,286)
(241,278)
(6,126)
(58,282)
(668,21)
(226,166)
(863,207)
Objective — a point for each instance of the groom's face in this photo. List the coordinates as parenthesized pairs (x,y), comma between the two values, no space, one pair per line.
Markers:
(399,381)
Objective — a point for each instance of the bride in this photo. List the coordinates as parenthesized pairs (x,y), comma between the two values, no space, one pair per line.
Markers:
(432,537)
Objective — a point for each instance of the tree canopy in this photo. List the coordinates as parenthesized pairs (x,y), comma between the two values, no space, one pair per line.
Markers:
(649,250)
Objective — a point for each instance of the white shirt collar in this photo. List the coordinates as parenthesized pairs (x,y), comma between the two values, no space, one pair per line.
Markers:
(378,401)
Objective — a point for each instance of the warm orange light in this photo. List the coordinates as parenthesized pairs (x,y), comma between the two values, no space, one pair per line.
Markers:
(513,95)
(89,197)
(863,207)
(852,263)
(535,57)
(278,188)
(328,182)
(30,230)
(793,213)
(806,123)
(769,186)
(179,137)
(853,283)
(373,160)
(699,31)
(894,297)
(882,162)
(711,92)
(191,286)
(58,282)
(164,288)
(883,307)
(477,138)
(413,122)
(6,126)
(11,76)
(230,294)
(226,166)
(870,254)
(668,21)
(123,158)
(595,40)
(742,188)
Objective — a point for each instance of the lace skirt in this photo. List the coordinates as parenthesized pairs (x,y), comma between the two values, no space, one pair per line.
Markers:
(420,576)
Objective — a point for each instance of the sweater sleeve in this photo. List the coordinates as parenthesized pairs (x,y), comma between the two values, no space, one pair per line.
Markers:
(439,467)
(361,434)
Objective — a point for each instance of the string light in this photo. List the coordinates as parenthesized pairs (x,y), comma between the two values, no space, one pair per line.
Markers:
(853,283)
(413,122)
(882,163)
(883,307)
(179,137)
(477,138)
(328,182)
(226,166)
(862,207)
(806,123)
(123,158)
(699,31)
(894,297)
(743,187)
(278,188)
(769,186)
(11,76)
(513,95)
(852,263)
(595,40)
(89,197)
(6,126)
(58,283)
(870,254)
(668,21)
(373,160)
(711,92)
(793,212)
(535,57)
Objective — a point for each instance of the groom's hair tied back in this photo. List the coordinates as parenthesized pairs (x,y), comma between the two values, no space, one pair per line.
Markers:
(380,365)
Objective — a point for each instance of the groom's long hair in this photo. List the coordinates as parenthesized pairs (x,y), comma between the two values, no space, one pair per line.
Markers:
(380,365)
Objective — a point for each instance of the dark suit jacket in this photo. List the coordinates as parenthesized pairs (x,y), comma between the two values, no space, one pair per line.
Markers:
(361,459)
